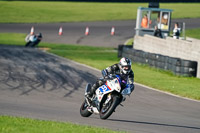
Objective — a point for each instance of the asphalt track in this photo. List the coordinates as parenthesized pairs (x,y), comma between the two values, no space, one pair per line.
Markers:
(39,85)
(99,32)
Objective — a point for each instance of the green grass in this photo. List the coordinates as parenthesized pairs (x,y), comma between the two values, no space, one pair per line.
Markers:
(45,12)
(10,124)
(129,41)
(166,81)
(194,33)
(100,58)
(183,10)
(93,56)
(12,38)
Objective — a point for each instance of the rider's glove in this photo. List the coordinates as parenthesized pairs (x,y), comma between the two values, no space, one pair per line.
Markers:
(128,89)
(104,72)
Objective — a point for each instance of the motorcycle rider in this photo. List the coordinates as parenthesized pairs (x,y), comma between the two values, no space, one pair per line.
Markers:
(33,40)
(123,69)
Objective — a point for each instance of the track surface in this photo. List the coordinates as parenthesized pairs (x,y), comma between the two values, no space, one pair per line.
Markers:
(39,85)
(43,86)
(99,35)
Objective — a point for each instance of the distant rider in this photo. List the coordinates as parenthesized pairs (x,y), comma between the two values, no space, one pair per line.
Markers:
(123,69)
(33,40)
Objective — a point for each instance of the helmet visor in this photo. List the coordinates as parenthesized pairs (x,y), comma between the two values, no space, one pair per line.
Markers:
(126,68)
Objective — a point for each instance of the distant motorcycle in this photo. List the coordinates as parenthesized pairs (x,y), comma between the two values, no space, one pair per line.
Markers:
(106,99)
(33,40)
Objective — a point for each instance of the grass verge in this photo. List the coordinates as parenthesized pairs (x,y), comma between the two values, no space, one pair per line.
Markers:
(194,33)
(47,12)
(10,124)
(100,58)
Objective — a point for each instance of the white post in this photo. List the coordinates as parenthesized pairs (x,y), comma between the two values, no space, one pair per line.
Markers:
(198,69)
(184,31)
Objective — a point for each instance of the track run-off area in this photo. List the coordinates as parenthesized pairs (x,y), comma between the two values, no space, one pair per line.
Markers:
(39,85)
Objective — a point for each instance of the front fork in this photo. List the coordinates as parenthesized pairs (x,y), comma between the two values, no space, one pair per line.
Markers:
(108,98)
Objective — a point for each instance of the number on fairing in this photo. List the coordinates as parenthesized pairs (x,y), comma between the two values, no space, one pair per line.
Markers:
(103,88)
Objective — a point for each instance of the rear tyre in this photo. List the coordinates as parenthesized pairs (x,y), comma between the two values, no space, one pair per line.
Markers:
(109,108)
(83,110)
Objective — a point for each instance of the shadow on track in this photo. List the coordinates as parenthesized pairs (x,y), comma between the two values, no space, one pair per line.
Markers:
(27,70)
(154,124)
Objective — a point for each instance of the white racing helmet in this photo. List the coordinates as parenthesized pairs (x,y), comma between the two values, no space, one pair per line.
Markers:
(125,65)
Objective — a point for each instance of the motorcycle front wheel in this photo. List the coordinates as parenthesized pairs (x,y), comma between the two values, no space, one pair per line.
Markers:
(109,108)
(83,110)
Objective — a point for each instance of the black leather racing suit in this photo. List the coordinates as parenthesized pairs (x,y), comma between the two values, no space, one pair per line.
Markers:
(114,69)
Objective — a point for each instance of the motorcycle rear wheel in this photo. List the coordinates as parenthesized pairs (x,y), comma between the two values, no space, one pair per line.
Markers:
(109,108)
(83,110)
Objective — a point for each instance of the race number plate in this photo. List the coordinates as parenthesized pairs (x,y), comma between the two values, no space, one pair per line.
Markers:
(104,89)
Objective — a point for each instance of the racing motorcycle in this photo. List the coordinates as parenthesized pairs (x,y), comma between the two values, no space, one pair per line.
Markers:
(106,99)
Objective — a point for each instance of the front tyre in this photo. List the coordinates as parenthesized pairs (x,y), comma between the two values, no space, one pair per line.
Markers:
(83,110)
(109,108)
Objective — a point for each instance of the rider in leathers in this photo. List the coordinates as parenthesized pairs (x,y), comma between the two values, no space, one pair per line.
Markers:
(123,68)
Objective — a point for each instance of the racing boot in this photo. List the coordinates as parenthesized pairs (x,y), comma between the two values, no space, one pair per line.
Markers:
(90,93)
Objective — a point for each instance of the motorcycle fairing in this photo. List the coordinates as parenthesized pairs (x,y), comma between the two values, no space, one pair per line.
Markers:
(110,86)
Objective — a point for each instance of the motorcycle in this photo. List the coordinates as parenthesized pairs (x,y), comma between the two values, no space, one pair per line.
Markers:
(106,99)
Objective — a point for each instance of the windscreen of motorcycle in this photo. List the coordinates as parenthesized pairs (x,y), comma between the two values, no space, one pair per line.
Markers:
(114,84)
